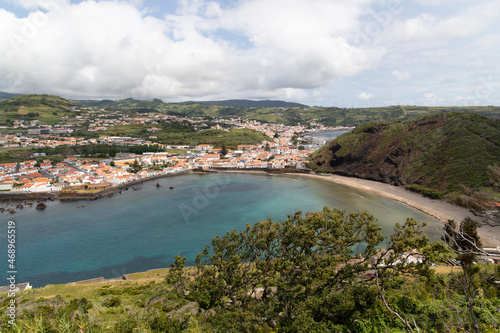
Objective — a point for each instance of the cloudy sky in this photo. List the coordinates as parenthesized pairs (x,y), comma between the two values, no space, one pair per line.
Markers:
(317,52)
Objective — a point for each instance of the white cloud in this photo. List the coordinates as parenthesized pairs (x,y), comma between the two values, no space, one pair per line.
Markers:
(437,29)
(111,48)
(303,50)
(429,27)
(430,99)
(364,96)
(401,75)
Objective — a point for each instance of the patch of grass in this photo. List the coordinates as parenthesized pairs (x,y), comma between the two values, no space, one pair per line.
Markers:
(268,118)
(176,151)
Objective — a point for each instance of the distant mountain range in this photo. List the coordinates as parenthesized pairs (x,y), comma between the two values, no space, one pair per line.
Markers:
(266,111)
(245,103)
(122,103)
(155,103)
(4,95)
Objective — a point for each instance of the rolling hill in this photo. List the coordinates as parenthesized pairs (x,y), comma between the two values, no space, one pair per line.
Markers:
(153,105)
(270,111)
(45,108)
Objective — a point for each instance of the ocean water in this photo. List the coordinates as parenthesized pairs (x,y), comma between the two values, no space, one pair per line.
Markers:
(144,229)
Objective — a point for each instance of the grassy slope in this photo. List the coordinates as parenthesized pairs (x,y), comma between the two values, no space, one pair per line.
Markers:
(141,289)
(216,137)
(49,108)
(182,135)
(11,155)
(443,151)
(144,296)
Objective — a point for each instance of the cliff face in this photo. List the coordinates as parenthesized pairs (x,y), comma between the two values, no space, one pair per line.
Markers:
(442,151)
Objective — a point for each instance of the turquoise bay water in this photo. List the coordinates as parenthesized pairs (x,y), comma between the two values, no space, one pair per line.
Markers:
(144,229)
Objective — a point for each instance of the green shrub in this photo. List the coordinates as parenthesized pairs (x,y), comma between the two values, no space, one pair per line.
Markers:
(126,326)
(81,304)
(425,191)
(163,323)
(112,302)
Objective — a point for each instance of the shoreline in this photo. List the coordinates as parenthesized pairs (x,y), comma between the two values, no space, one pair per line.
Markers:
(438,209)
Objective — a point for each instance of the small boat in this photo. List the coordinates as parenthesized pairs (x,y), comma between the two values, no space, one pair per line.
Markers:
(171,187)
(158,185)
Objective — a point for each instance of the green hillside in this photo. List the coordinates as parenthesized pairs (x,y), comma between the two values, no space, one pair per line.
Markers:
(46,109)
(445,152)
(284,112)
(218,138)
(174,133)
(127,104)
(328,116)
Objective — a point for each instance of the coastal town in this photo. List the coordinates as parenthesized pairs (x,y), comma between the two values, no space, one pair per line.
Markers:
(287,147)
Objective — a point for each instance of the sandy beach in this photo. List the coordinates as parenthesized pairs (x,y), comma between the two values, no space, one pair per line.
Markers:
(441,210)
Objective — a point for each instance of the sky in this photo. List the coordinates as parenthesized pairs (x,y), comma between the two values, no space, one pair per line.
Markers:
(345,53)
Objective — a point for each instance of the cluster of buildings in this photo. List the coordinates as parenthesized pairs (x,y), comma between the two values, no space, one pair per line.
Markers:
(204,156)
(29,176)
(42,141)
(52,141)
